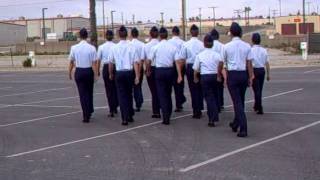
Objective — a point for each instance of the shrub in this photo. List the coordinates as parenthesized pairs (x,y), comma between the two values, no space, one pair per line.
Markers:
(27,62)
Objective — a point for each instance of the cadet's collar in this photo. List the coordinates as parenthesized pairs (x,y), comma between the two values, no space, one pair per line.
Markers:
(83,41)
(175,37)
(123,41)
(194,38)
(256,45)
(163,40)
(235,38)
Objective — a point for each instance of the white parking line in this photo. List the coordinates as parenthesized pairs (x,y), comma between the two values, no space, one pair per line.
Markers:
(285,113)
(308,72)
(223,156)
(115,133)
(34,92)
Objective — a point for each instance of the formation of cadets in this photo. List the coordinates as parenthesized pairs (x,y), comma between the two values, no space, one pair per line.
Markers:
(209,67)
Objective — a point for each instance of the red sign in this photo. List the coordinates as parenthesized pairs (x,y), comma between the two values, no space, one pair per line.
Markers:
(297,20)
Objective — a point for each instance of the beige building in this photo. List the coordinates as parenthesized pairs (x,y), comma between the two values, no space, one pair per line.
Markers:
(293,25)
(59,25)
(12,34)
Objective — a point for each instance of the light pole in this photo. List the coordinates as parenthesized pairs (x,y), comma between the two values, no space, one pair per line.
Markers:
(304,15)
(44,25)
(200,23)
(112,25)
(214,15)
(162,21)
(104,20)
(280,8)
(184,19)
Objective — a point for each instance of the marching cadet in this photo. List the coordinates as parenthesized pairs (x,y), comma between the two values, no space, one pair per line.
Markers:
(110,85)
(164,55)
(237,55)
(260,61)
(178,87)
(209,64)
(83,56)
(137,89)
(218,48)
(188,54)
(150,72)
(126,61)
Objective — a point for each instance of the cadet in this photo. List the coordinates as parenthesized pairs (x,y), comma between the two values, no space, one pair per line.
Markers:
(83,56)
(110,85)
(260,61)
(164,56)
(188,53)
(218,48)
(126,61)
(209,64)
(137,89)
(150,72)
(178,87)
(240,72)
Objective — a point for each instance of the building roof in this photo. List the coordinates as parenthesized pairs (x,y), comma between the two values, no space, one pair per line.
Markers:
(50,18)
(12,24)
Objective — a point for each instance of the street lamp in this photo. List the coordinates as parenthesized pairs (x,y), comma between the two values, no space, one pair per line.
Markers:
(43,25)
(112,25)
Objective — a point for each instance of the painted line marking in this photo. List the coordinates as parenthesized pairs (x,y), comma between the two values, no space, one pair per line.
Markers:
(5,88)
(286,113)
(308,72)
(34,92)
(113,133)
(223,156)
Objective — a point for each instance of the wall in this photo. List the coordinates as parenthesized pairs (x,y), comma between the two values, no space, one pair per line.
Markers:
(11,34)
(297,20)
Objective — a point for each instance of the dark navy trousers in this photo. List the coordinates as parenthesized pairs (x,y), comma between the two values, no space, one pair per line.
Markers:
(124,83)
(258,82)
(137,91)
(179,89)
(238,84)
(154,93)
(165,80)
(220,100)
(195,90)
(209,86)
(111,90)
(84,78)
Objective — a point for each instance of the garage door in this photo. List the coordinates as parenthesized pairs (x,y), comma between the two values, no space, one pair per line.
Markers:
(289,29)
(309,28)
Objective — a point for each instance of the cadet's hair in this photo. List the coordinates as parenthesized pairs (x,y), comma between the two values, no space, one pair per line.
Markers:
(83,33)
(163,33)
(176,30)
(109,35)
(215,34)
(208,41)
(134,32)
(236,30)
(123,32)
(256,38)
(194,28)
(154,32)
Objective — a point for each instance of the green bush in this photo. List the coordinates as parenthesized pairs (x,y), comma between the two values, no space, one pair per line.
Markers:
(27,62)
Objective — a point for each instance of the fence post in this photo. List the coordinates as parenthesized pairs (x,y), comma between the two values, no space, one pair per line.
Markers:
(12,64)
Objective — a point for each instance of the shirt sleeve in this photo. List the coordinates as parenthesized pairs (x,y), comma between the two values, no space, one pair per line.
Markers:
(111,56)
(250,56)
(71,55)
(183,53)
(152,54)
(196,64)
(135,55)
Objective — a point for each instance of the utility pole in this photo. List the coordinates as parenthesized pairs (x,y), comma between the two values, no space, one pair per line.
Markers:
(269,15)
(184,19)
(44,25)
(162,21)
(274,16)
(200,21)
(304,15)
(308,3)
(104,20)
(112,24)
(133,19)
(122,21)
(93,23)
(214,15)
(280,8)
(238,13)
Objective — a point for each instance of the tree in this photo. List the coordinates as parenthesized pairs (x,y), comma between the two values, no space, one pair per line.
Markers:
(93,23)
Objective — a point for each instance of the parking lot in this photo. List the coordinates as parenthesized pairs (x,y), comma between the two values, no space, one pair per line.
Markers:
(42,136)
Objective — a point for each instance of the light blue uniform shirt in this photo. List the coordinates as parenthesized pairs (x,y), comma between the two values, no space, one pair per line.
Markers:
(147,50)
(236,53)
(207,62)
(104,51)
(124,56)
(176,42)
(260,56)
(164,54)
(218,47)
(139,46)
(191,49)
(83,54)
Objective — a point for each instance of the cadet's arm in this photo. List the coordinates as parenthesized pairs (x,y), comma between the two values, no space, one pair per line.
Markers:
(220,68)
(95,68)
(179,65)
(196,76)
(250,72)
(111,70)
(137,70)
(71,66)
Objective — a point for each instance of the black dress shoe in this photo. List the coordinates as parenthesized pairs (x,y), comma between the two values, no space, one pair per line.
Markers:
(178,110)
(131,120)
(197,116)
(138,110)
(260,112)
(166,122)
(233,127)
(125,123)
(86,121)
(242,134)
(111,115)
(211,124)
(156,116)
(222,108)
(116,111)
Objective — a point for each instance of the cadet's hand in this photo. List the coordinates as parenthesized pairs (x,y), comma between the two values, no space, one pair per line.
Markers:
(268,78)
(70,76)
(180,79)
(148,72)
(196,80)
(136,81)
(250,81)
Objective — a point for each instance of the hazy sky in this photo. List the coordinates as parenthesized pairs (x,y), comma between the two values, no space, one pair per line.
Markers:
(146,9)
